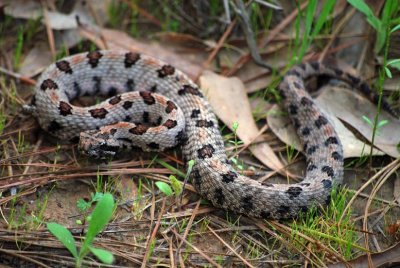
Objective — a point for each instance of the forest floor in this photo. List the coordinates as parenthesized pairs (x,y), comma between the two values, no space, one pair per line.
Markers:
(45,180)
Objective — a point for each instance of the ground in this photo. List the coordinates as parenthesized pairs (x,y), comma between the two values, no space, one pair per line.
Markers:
(47,180)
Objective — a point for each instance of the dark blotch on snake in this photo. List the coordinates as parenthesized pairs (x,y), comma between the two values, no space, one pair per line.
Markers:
(170,123)
(127,105)
(166,70)
(206,151)
(114,100)
(65,108)
(147,97)
(130,59)
(64,66)
(94,58)
(48,84)
(229,177)
(98,113)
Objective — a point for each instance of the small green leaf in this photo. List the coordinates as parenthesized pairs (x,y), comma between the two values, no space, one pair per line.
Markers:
(103,255)
(65,237)
(176,185)
(101,215)
(361,6)
(397,27)
(82,204)
(190,164)
(388,72)
(97,196)
(235,126)
(366,119)
(382,123)
(394,63)
(164,187)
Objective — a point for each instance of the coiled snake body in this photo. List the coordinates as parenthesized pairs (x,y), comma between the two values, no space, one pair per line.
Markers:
(136,116)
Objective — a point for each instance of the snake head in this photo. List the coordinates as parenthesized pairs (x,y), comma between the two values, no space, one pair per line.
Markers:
(97,145)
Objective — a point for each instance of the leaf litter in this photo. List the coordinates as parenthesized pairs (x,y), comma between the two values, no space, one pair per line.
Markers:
(230,108)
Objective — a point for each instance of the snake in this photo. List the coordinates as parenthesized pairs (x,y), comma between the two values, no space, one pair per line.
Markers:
(153,106)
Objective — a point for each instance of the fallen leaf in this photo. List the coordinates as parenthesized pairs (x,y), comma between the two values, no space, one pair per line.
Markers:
(37,59)
(392,229)
(23,9)
(351,107)
(229,100)
(392,84)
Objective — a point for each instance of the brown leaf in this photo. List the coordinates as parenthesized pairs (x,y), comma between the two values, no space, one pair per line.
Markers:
(229,100)
(392,229)
(38,58)
(351,107)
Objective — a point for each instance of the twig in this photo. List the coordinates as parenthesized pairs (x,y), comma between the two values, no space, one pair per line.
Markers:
(248,31)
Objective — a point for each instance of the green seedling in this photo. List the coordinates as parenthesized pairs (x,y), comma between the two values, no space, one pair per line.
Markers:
(290,150)
(164,187)
(2,121)
(391,63)
(380,25)
(311,29)
(18,48)
(379,125)
(175,186)
(100,217)
(236,144)
(84,205)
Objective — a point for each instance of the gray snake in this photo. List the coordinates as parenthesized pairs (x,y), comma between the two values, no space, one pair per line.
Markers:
(136,115)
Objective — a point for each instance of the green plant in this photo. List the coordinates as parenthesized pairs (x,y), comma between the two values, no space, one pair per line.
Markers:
(379,124)
(380,25)
(19,47)
(21,146)
(322,226)
(116,11)
(176,186)
(84,205)
(290,151)
(164,187)
(100,217)
(2,121)
(310,32)
(236,143)
(32,27)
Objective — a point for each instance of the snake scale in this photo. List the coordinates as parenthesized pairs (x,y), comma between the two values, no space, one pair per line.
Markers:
(136,115)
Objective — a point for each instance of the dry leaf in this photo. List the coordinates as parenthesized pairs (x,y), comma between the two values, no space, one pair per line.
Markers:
(23,9)
(28,9)
(392,229)
(37,59)
(351,107)
(392,84)
(229,100)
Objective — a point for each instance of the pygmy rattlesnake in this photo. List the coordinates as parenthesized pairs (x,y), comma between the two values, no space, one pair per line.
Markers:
(136,116)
